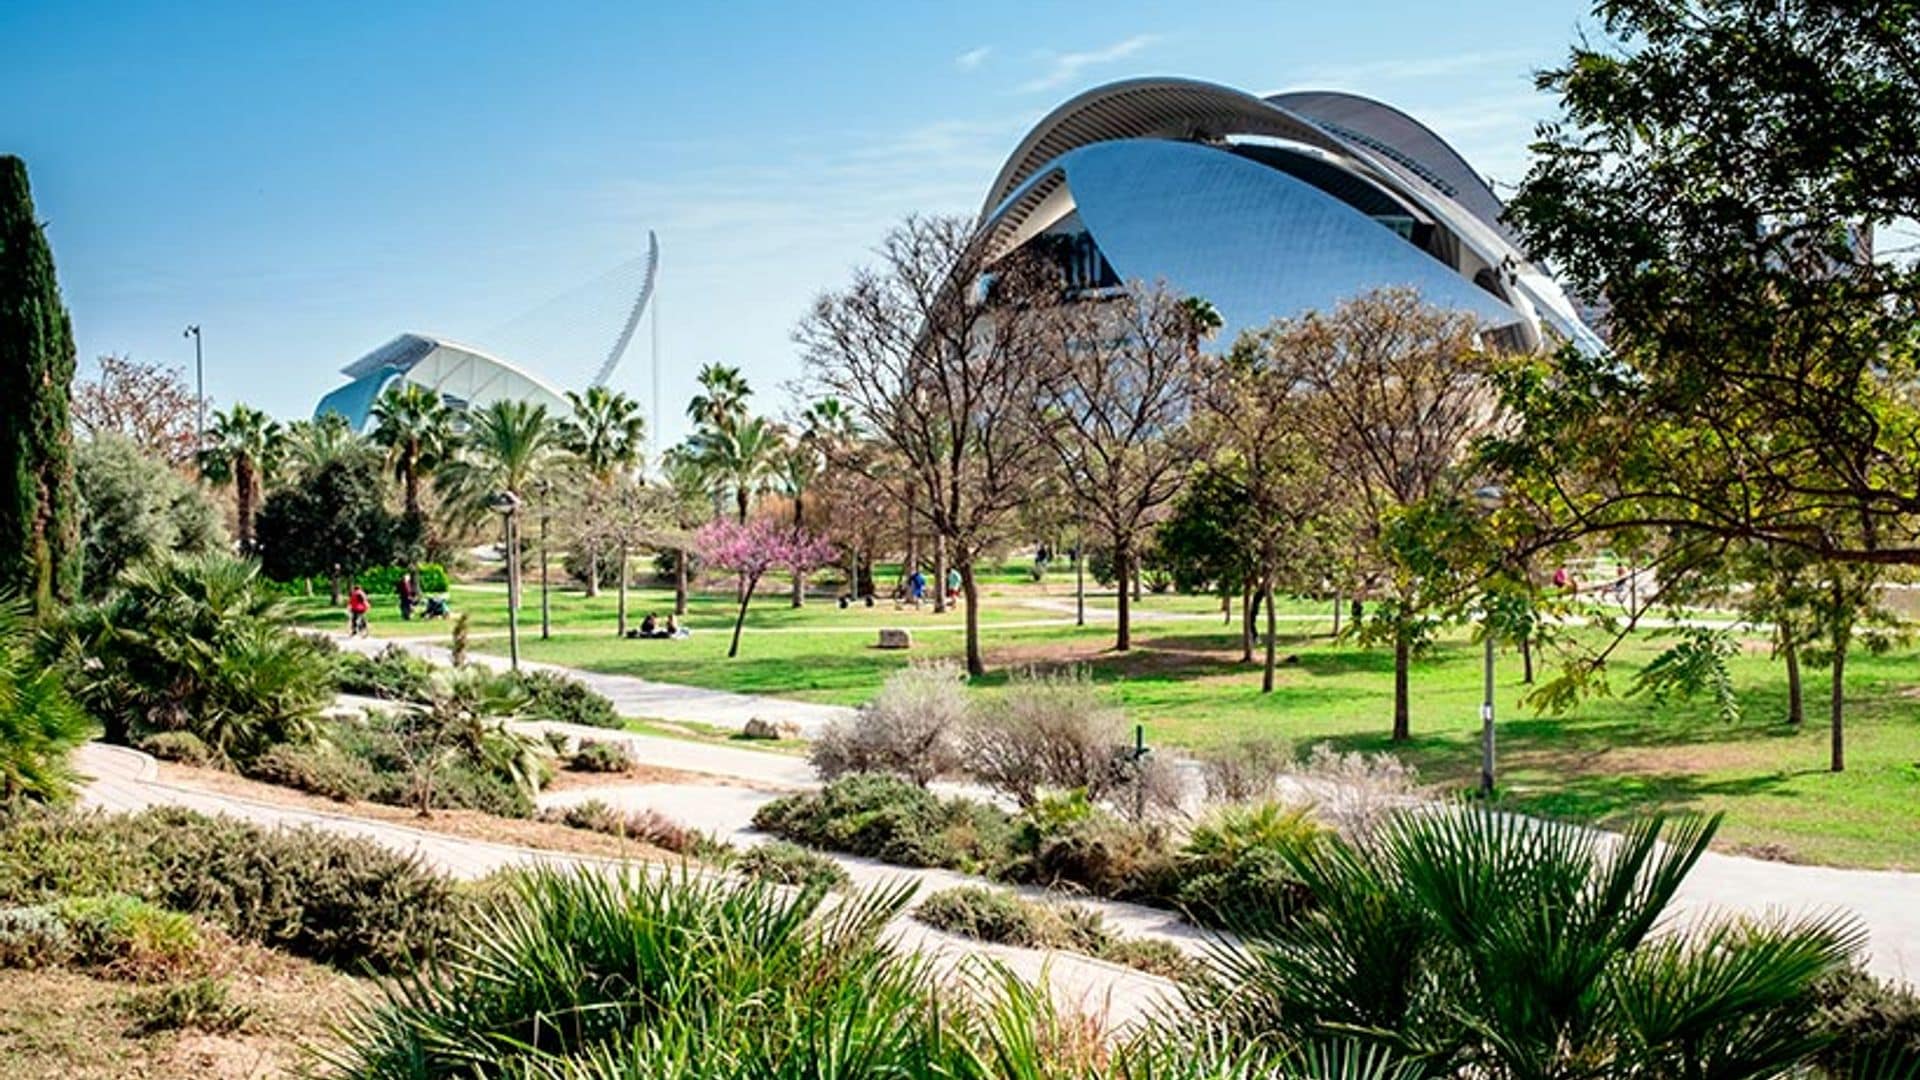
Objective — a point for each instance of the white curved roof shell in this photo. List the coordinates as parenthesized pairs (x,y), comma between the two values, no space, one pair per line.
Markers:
(464,377)
(1372,143)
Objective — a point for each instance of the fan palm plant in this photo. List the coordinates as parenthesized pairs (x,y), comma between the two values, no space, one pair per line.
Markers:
(416,428)
(311,445)
(39,724)
(243,447)
(200,645)
(1491,945)
(605,436)
(722,401)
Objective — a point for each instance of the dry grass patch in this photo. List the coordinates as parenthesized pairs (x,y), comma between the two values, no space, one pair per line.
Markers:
(73,1025)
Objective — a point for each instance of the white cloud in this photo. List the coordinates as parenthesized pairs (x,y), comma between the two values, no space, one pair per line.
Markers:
(1065,67)
(972,58)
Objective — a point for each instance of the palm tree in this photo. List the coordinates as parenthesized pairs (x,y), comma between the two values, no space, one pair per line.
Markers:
(739,458)
(802,457)
(415,427)
(243,448)
(688,507)
(506,445)
(723,400)
(312,444)
(604,435)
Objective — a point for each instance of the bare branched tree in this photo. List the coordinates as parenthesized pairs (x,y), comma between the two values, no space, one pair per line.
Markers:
(938,355)
(1400,395)
(149,404)
(1114,405)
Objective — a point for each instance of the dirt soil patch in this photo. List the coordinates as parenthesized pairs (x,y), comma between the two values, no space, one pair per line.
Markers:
(468,824)
(74,1025)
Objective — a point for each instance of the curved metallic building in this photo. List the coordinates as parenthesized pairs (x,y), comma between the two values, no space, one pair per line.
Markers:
(463,376)
(1268,207)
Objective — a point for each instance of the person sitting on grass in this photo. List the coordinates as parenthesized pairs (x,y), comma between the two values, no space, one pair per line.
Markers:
(649,626)
(674,629)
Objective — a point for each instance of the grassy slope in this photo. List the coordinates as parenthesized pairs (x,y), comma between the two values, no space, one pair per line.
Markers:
(1611,757)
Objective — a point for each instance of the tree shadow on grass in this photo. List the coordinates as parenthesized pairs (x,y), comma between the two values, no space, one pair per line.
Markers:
(1613,799)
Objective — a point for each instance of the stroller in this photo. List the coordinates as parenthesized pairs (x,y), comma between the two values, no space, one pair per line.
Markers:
(435,608)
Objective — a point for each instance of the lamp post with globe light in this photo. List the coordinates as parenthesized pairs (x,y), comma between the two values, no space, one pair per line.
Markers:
(506,504)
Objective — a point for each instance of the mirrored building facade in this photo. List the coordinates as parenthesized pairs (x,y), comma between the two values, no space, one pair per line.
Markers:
(1268,207)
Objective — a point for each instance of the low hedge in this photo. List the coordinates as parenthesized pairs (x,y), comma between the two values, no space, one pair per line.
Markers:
(376,581)
(338,900)
(887,818)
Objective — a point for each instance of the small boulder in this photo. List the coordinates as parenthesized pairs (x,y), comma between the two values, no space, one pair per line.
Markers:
(896,638)
(759,729)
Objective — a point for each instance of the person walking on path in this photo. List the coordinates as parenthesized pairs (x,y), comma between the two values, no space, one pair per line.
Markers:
(409,596)
(953,584)
(357,612)
(917,587)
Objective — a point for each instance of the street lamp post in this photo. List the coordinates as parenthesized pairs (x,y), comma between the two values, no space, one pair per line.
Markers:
(506,503)
(1489,499)
(199,389)
(544,489)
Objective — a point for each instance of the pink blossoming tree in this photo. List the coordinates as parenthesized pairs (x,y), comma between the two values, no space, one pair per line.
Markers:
(751,548)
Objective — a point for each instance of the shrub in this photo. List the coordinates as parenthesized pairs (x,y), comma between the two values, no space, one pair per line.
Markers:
(339,900)
(181,746)
(131,937)
(33,937)
(1047,731)
(911,728)
(984,914)
(598,756)
(394,674)
(888,818)
(781,863)
(196,645)
(1066,840)
(39,724)
(1356,793)
(203,1004)
(320,769)
(1155,956)
(1245,770)
(1000,916)
(646,825)
(385,580)
(1875,1025)
(1235,869)
(566,700)
(137,510)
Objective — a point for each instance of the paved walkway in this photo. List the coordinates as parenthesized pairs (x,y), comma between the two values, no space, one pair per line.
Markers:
(126,780)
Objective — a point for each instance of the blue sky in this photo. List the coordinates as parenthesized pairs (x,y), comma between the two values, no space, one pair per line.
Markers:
(306,185)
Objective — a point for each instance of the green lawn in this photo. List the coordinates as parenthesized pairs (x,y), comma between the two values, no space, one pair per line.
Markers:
(1610,758)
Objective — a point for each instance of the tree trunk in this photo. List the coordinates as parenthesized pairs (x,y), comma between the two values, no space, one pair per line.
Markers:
(1246,622)
(1526,658)
(1273,635)
(1136,578)
(1226,608)
(853,573)
(623,587)
(1796,698)
(333,582)
(939,574)
(593,568)
(1402,660)
(413,486)
(243,504)
(680,581)
(740,617)
(740,503)
(1837,709)
(1123,618)
(975,665)
(799,523)
(1336,614)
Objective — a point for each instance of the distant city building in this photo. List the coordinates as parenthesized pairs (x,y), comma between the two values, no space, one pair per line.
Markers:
(1268,207)
(463,376)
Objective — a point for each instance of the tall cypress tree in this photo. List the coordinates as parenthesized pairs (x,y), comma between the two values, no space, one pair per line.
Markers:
(39,523)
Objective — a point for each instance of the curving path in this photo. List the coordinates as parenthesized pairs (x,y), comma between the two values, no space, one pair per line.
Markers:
(120,779)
